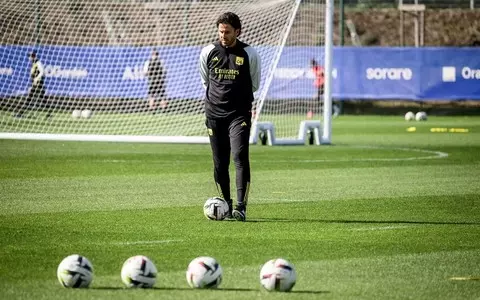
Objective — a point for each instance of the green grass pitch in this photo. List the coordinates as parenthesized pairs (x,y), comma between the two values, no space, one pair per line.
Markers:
(382,213)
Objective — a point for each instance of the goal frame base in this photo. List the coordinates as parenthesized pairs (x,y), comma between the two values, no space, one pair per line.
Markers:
(106,138)
(308,131)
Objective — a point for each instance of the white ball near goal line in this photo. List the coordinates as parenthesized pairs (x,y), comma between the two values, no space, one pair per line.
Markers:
(76,114)
(87,113)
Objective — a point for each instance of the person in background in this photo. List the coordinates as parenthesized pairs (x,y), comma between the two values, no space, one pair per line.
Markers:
(36,94)
(156,75)
(319,83)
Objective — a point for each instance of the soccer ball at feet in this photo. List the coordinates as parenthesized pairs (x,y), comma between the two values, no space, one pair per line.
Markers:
(139,272)
(409,116)
(278,275)
(215,209)
(75,271)
(204,273)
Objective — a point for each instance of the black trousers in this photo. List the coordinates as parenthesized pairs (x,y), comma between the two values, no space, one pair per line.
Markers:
(230,136)
(317,104)
(36,97)
(156,89)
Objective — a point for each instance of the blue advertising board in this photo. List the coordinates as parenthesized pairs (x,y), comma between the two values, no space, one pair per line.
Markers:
(358,72)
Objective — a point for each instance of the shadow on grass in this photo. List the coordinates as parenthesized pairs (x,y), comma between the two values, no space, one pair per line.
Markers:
(166,288)
(360,221)
(309,292)
(113,288)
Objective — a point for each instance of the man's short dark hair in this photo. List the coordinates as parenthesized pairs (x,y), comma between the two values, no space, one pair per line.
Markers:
(230,18)
(33,54)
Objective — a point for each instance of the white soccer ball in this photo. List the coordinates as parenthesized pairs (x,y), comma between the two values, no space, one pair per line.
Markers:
(278,275)
(75,271)
(421,116)
(215,209)
(139,272)
(76,113)
(409,116)
(86,113)
(204,273)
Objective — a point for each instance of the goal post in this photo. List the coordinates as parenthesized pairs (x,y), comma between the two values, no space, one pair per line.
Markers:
(93,56)
(326,137)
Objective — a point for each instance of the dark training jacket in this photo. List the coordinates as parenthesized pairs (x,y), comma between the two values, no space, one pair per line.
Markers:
(230,76)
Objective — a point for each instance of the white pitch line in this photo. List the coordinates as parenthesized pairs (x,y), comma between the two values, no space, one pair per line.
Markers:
(465,278)
(380,228)
(432,155)
(146,242)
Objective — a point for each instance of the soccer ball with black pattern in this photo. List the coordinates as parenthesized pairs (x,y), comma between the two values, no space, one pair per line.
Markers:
(75,271)
(421,116)
(278,275)
(215,209)
(139,272)
(204,273)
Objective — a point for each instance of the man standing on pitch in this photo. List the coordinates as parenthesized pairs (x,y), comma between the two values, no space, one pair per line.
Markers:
(230,71)
(36,94)
(319,83)
(156,74)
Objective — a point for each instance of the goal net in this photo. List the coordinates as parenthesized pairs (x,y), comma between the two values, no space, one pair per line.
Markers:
(88,77)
